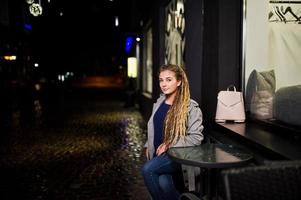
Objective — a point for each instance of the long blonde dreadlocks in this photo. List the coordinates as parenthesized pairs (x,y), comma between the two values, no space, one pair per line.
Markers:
(175,123)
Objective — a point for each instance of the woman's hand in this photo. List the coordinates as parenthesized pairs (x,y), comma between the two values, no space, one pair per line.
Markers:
(146,153)
(161,149)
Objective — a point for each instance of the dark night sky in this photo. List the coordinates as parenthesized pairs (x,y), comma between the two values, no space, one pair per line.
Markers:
(85,37)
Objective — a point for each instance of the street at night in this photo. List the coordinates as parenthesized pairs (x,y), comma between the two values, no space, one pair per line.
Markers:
(71,143)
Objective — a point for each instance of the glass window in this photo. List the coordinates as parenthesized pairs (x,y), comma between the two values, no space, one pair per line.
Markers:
(148,66)
(174,32)
(271,59)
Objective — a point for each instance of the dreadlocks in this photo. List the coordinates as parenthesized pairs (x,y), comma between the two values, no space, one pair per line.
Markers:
(176,118)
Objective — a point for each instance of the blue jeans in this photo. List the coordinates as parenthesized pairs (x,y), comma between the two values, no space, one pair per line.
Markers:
(163,178)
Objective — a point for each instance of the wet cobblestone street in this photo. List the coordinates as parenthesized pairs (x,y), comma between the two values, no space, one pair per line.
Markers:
(83,146)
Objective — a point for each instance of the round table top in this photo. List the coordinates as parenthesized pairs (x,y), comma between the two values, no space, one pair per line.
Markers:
(210,155)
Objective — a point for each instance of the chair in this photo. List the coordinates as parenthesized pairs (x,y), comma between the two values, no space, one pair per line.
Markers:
(188,196)
(279,180)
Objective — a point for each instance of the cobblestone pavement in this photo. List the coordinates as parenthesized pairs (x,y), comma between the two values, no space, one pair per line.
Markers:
(83,146)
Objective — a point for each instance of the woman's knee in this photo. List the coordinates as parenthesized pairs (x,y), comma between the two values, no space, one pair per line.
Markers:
(165,182)
(146,169)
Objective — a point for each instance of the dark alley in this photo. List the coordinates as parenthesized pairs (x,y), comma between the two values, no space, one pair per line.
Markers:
(83,145)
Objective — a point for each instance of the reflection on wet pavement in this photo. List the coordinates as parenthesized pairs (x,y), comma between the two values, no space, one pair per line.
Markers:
(80,147)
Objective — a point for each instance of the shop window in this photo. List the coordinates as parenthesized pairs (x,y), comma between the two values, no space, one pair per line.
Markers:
(271,60)
(148,64)
(175,32)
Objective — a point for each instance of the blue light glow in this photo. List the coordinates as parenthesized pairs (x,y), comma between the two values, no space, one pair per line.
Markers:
(129,44)
(28,27)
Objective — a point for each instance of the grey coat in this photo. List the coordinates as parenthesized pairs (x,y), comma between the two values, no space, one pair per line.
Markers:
(193,137)
(194,134)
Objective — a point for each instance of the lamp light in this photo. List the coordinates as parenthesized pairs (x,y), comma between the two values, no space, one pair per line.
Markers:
(129,43)
(10,57)
(35,9)
(132,67)
(29,1)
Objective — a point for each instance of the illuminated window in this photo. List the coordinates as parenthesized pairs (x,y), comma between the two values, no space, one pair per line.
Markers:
(132,67)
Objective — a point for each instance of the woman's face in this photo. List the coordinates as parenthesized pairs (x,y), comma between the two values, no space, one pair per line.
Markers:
(168,82)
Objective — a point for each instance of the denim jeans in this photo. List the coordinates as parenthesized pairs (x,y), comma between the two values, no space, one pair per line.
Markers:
(163,178)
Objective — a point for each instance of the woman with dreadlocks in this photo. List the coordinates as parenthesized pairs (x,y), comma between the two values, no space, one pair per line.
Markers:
(176,121)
